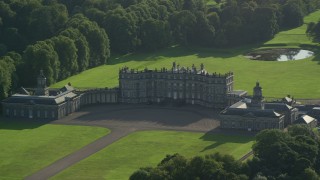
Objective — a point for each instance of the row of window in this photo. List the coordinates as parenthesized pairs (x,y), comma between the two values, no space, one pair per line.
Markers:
(91,98)
(180,86)
(251,125)
(30,113)
(181,77)
(174,95)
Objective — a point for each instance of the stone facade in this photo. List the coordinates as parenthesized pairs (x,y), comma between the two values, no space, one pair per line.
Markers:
(177,84)
(291,113)
(40,104)
(252,119)
(256,114)
(99,96)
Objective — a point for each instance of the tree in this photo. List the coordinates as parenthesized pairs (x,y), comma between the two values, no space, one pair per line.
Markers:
(13,39)
(182,23)
(301,130)
(47,20)
(96,15)
(23,10)
(40,56)
(97,38)
(6,71)
(178,167)
(82,45)
(122,28)
(309,174)
(155,34)
(17,61)
(293,13)
(286,155)
(272,149)
(203,32)
(214,19)
(6,13)
(265,24)
(313,31)
(127,3)
(67,53)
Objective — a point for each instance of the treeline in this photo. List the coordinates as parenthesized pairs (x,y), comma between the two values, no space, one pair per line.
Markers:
(278,155)
(65,37)
(313,31)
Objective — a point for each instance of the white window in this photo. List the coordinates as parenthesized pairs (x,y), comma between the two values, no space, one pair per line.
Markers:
(14,112)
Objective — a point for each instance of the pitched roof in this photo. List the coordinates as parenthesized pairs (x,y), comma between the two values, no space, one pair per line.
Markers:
(305,119)
(251,112)
(278,106)
(239,104)
(43,100)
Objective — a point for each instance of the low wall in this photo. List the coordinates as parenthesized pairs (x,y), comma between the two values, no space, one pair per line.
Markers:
(99,96)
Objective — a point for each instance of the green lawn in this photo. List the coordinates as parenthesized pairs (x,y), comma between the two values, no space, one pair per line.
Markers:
(278,79)
(28,147)
(211,2)
(148,148)
(297,36)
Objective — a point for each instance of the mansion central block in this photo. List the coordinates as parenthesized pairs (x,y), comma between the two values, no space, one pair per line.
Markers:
(178,84)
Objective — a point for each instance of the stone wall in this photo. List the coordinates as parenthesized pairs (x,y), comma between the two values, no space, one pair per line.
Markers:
(191,88)
(41,111)
(99,96)
(253,124)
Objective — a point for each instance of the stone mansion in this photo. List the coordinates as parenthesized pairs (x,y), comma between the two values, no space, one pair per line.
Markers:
(175,85)
(187,85)
(181,85)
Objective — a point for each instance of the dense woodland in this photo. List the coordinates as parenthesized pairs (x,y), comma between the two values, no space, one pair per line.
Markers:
(65,37)
(278,155)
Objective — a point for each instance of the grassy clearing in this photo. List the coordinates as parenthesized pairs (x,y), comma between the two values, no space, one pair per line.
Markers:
(148,148)
(28,147)
(297,78)
(211,2)
(297,36)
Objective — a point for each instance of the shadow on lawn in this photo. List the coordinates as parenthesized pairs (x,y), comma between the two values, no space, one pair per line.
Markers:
(317,57)
(20,124)
(220,137)
(145,115)
(178,51)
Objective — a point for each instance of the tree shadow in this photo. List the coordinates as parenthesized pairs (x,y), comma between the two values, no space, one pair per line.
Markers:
(317,58)
(21,124)
(180,51)
(223,136)
(153,115)
(316,51)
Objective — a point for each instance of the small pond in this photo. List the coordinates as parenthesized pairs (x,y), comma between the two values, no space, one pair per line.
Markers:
(282,54)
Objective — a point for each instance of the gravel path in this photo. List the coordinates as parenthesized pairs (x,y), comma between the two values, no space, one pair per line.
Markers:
(125,119)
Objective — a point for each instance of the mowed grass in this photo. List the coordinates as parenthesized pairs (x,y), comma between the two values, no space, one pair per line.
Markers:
(211,2)
(29,147)
(148,148)
(297,78)
(297,36)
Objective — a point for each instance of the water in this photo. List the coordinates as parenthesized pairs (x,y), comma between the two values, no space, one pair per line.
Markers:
(280,54)
(301,54)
